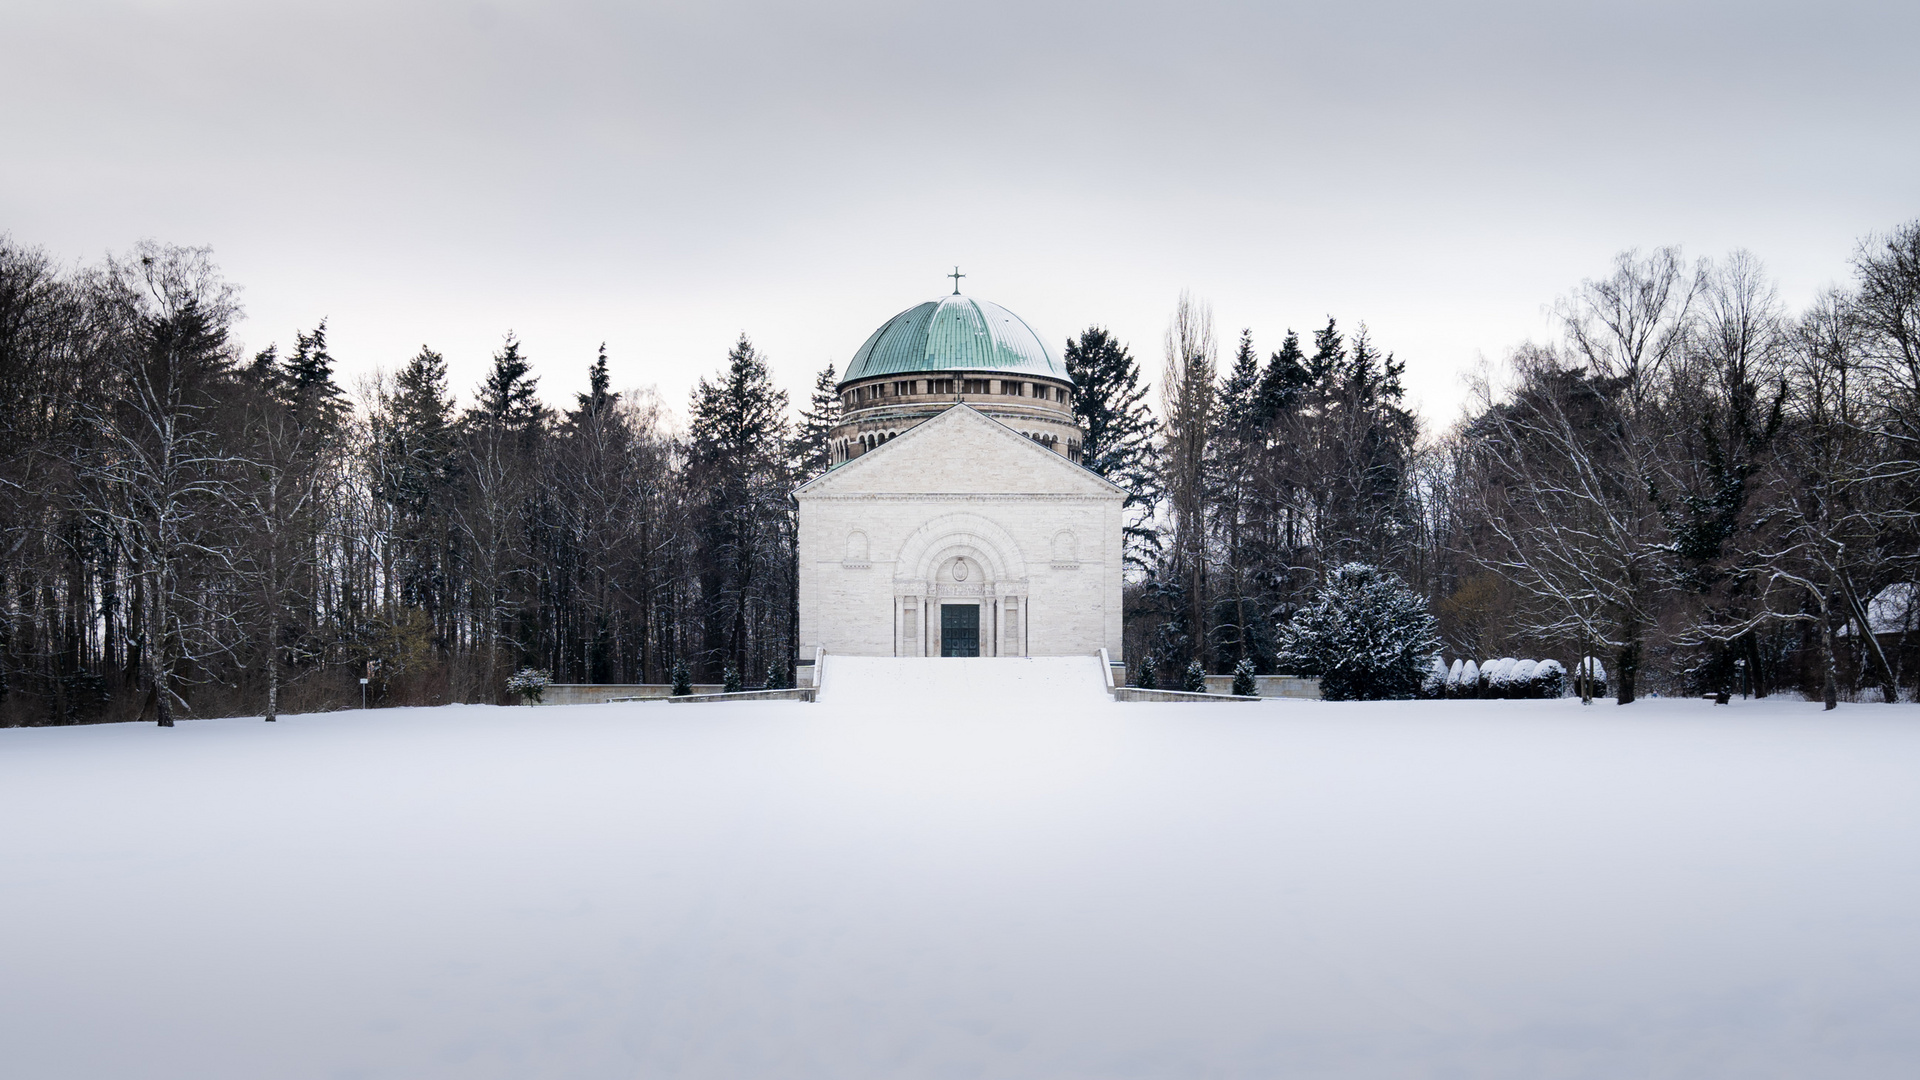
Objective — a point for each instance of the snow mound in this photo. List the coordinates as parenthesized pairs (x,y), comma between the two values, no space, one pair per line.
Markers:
(935,686)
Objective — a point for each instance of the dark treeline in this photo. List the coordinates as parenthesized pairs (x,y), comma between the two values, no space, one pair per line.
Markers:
(186,530)
(1704,489)
(1701,488)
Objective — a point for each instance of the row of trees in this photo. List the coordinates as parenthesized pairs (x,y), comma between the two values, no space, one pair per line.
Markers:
(186,528)
(1691,480)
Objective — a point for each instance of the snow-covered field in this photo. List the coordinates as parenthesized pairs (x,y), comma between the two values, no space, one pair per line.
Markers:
(968,874)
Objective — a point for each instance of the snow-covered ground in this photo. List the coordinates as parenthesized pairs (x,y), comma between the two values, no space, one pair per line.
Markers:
(976,873)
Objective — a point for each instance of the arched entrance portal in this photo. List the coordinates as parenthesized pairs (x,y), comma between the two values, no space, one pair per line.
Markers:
(961,590)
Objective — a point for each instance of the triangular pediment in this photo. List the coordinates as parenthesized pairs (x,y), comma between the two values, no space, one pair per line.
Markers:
(960,451)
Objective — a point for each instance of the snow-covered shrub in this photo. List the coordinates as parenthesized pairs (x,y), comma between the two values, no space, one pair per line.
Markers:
(529,685)
(1195,679)
(1453,678)
(682,679)
(1434,683)
(1146,675)
(1496,676)
(1365,634)
(1549,680)
(1469,685)
(1591,667)
(1520,679)
(730,682)
(1244,684)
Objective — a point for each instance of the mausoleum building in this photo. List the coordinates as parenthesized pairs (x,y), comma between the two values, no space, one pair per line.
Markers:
(956,519)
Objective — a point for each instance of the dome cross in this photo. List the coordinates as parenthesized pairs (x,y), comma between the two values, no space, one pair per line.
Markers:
(956,276)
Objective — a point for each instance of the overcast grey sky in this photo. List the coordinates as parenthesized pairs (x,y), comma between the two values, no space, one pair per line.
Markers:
(664,176)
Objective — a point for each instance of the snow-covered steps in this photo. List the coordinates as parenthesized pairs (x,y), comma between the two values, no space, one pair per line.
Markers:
(931,687)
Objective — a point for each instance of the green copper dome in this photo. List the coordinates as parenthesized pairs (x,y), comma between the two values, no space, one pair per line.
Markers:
(954,333)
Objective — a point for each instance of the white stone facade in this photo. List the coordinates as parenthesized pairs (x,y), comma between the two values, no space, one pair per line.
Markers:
(960,511)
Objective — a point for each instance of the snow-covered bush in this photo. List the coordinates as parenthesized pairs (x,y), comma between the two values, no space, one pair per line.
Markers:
(1494,677)
(730,682)
(1195,679)
(529,685)
(1147,677)
(1592,668)
(682,679)
(1434,683)
(1365,634)
(1549,680)
(1520,678)
(1469,685)
(1453,678)
(1244,684)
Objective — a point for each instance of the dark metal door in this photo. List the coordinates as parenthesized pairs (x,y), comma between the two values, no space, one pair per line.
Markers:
(959,629)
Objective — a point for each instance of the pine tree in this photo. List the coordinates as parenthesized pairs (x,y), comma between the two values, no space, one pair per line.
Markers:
(599,399)
(1284,380)
(1111,404)
(306,382)
(1238,627)
(813,450)
(1244,683)
(502,504)
(1366,635)
(1240,405)
(508,399)
(416,474)
(1146,676)
(742,477)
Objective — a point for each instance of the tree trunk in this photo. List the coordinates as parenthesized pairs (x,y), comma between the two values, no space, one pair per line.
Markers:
(156,651)
(1628,663)
(1829,685)
(273,630)
(1889,693)
(273,682)
(1754,675)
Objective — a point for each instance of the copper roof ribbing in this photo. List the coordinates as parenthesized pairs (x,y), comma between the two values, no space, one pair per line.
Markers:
(954,333)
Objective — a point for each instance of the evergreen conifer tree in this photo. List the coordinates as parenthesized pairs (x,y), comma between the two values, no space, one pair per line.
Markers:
(742,477)
(1285,378)
(813,453)
(1146,677)
(417,476)
(508,399)
(306,382)
(1238,625)
(682,678)
(1111,403)
(1241,418)
(1366,635)
(1195,679)
(1244,684)
(599,399)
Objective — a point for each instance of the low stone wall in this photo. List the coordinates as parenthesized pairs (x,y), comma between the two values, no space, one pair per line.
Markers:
(804,693)
(595,693)
(1134,693)
(1283,686)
